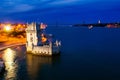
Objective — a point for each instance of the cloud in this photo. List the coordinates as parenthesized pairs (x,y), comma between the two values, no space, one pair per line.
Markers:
(63,2)
(17,8)
(12,6)
(23,7)
(56,8)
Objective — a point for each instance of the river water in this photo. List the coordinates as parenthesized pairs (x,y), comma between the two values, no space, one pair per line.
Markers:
(86,54)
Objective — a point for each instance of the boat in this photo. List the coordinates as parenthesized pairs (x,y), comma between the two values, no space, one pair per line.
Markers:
(90,27)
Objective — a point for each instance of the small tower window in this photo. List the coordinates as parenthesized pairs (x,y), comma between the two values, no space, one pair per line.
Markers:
(31,39)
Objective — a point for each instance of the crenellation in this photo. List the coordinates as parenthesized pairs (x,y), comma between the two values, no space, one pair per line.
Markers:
(34,43)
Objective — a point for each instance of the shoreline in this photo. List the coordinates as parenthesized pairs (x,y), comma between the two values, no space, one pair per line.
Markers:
(10,45)
(12,42)
(3,47)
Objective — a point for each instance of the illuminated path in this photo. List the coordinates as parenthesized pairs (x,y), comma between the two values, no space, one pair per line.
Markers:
(11,45)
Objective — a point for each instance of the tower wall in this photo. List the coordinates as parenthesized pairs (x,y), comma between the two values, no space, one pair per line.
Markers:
(32,35)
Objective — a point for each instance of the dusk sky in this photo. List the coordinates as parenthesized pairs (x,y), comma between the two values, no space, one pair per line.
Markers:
(61,11)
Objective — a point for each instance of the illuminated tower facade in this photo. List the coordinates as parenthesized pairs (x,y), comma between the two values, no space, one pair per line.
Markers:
(32,35)
(38,43)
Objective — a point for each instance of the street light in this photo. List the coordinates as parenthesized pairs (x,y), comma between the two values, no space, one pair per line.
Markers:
(7,28)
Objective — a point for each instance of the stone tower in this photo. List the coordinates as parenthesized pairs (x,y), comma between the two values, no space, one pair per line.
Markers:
(38,43)
(32,35)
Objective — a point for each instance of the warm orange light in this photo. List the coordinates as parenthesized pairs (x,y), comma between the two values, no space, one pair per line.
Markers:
(24,25)
(44,39)
(7,28)
(43,26)
(19,25)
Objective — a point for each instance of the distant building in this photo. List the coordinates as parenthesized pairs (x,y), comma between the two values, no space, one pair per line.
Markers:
(37,43)
(99,21)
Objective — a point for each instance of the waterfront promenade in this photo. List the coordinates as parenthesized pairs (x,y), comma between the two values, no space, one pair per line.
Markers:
(12,42)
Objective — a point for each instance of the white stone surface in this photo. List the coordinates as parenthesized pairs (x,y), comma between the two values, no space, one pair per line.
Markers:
(33,35)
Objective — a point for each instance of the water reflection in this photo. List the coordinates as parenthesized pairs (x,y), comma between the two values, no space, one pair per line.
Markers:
(36,63)
(11,65)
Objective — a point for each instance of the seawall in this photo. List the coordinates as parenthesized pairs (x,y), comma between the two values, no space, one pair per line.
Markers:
(10,45)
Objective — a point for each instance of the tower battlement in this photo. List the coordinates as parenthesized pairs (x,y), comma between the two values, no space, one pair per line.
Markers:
(38,43)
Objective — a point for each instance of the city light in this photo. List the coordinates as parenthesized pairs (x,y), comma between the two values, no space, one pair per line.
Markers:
(7,28)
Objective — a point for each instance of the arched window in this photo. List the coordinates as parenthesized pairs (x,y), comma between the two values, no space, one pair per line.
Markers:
(31,39)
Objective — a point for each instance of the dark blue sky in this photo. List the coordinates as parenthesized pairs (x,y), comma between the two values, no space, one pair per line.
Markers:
(62,11)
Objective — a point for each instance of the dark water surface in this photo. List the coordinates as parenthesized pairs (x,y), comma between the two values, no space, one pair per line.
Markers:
(86,55)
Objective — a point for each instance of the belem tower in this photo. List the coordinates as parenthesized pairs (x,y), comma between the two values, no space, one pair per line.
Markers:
(40,43)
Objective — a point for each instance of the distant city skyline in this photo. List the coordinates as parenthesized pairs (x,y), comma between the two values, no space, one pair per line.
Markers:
(61,11)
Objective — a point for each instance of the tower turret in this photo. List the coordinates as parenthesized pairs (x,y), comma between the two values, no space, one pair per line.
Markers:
(32,33)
